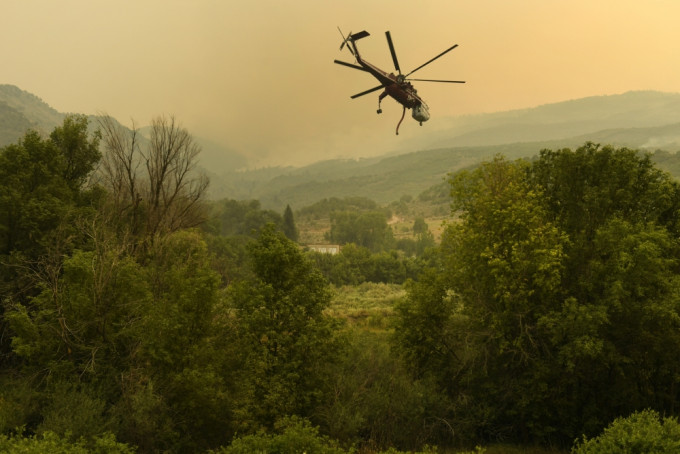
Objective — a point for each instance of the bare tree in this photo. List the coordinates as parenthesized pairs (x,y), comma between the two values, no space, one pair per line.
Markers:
(153,183)
(119,170)
(174,190)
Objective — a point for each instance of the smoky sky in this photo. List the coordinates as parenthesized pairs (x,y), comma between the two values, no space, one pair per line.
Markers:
(257,76)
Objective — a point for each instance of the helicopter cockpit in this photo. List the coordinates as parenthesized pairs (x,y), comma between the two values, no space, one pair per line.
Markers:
(420,113)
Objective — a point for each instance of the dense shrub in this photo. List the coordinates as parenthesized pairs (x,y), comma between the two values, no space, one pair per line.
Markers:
(295,435)
(640,433)
(51,443)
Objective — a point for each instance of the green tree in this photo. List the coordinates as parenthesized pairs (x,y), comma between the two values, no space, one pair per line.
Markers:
(289,228)
(420,226)
(642,432)
(52,443)
(368,229)
(362,408)
(242,217)
(80,323)
(503,263)
(293,435)
(282,332)
(40,183)
(542,290)
(42,196)
(180,383)
(80,151)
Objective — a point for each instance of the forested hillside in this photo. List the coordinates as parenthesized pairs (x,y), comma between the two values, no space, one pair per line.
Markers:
(20,110)
(642,120)
(138,316)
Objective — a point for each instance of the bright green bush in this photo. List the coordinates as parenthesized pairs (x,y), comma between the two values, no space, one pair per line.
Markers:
(49,442)
(295,435)
(642,432)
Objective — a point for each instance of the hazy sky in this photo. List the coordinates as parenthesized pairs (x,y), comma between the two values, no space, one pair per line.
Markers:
(257,75)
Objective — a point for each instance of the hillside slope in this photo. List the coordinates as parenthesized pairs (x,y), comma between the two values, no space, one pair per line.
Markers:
(21,110)
(562,120)
(387,179)
(644,120)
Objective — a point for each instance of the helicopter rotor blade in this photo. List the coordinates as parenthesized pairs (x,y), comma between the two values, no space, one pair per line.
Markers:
(349,65)
(433,59)
(394,54)
(437,80)
(367,91)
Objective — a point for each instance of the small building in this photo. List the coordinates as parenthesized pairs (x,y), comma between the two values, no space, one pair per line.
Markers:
(324,248)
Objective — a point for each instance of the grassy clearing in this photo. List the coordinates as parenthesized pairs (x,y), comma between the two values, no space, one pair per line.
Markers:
(368,306)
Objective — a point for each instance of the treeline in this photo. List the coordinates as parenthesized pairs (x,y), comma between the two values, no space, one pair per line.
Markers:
(124,327)
(135,316)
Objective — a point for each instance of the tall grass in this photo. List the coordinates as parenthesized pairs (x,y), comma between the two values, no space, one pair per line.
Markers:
(368,305)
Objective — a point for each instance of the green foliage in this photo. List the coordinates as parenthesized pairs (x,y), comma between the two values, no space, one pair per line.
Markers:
(289,228)
(283,336)
(364,409)
(529,305)
(553,268)
(80,153)
(183,347)
(79,323)
(41,199)
(356,264)
(368,229)
(643,432)
(40,179)
(420,226)
(124,347)
(586,187)
(51,443)
(427,327)
(365,301)
(19,403)
(228,256)
(293,435)
(325,207)
(233,217)
(74,413)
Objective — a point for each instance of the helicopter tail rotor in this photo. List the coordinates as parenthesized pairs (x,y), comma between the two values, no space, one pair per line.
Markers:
(345,40)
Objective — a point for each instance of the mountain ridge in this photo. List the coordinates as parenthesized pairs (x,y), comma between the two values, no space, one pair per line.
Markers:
(647,120)
(21,110)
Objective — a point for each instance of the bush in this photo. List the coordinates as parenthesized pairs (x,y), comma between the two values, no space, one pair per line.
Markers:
(49,442)
(640,433)
(295,435)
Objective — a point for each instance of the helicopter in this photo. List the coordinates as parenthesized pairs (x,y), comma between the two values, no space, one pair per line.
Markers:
(396,86)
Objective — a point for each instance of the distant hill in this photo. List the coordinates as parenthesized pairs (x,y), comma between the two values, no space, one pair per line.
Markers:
(562,120)
(642,120)
(21,110)
(383,180)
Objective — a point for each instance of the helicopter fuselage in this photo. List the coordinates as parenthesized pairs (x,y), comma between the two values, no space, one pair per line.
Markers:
(401,91)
